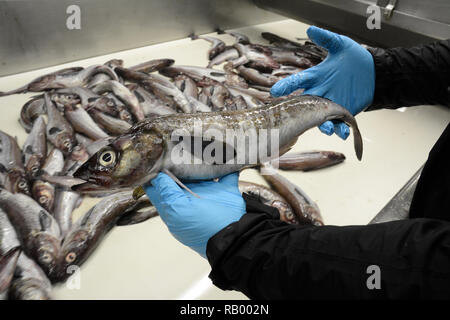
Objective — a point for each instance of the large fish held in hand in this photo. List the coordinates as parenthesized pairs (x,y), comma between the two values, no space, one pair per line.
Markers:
(155,145)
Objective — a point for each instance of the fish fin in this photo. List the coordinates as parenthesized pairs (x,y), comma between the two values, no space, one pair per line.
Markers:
(44,220)
(181,184)
(138,192)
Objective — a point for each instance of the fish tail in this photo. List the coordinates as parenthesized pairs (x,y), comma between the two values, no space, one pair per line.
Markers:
(357,138)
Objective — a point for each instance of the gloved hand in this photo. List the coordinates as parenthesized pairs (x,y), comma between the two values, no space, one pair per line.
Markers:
(193,221)
(346,76)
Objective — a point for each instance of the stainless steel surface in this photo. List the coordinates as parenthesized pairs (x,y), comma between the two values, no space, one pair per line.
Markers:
(398,207)
(33,34)
(409,22)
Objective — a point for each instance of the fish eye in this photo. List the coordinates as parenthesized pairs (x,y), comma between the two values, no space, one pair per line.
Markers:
(22,185)
(71,256)
(34,169)
(42,199)
(46,258)
(107,158)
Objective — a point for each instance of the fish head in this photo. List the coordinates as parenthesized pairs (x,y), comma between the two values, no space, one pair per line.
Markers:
(18,183)
(33,165)
(130,160)
(45,250)
(44,193)
(74,251)
(65,99)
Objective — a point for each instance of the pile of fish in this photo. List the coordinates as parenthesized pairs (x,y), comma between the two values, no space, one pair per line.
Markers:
(78,111)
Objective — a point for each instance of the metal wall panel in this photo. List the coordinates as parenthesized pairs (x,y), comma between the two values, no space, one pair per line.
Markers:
(33,34)
(412,21)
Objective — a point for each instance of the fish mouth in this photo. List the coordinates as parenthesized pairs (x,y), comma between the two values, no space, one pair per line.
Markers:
(88,188)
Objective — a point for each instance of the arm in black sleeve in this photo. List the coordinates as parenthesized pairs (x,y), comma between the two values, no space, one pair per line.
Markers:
(265,258)
(412,76)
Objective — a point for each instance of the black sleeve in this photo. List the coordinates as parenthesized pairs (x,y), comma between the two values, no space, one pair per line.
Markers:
(412,76)
(265,258)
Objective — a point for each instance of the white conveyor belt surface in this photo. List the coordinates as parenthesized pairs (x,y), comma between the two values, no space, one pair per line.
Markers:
(144,261)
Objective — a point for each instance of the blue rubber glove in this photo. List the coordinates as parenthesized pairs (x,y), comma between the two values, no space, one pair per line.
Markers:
(346,76)
(193,221)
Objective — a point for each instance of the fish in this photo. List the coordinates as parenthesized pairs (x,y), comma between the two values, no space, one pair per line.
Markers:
(11,165)
(152,65)
(113,126)
(77,157)
(83,140)
(280,41)
(30,282)
(291,58)
(159,86)
(197,105)
(54,163)
(137,216)
(8,235)
(35,148)
(284,71)
(123,113)
(308,49)
(136,157)
(99,78)
(239,102)
(259,60)
(89,99)
(240,38)
(88,231)
(70,77)
(217,45)
(218,97)
(230,53)
(123,94)
(254,76)
(8,263)
(270,198)
(59,131)
(37,230)
(82,122)
(312,160)
(252,98)
(42,191)
(31,111)
(306,210)
(66,202)
(151,104)
(195,73)
(187,86)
